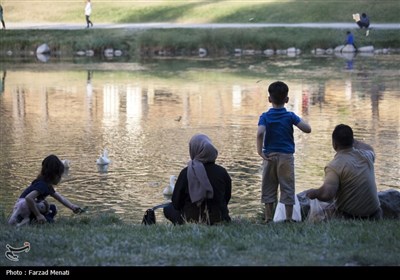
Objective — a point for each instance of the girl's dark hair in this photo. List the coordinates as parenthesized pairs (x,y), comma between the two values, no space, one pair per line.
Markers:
(52,169)
(278,91)
(343,136)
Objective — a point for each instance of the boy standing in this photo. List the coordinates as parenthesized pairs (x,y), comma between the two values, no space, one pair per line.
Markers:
(275,144)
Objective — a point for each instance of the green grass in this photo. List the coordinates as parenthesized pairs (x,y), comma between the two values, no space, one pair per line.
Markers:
(201,11)
(188,41)
(105,240)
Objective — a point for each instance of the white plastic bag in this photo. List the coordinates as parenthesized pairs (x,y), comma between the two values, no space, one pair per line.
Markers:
(280,211)
(317,211)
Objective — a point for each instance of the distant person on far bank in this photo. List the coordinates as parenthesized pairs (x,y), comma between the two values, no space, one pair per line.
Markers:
(2,82)
(1,17)
(350,40)
(88,12)
(362,22)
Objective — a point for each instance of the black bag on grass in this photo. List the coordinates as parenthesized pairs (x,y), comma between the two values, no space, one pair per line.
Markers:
(149,217)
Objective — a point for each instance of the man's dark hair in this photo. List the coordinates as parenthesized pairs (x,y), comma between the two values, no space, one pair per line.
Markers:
(343,136)
(278,91)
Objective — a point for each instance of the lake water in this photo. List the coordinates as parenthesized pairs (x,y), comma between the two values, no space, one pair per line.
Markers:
(145,112)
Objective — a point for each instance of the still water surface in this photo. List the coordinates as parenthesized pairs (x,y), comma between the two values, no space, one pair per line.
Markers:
(145,113)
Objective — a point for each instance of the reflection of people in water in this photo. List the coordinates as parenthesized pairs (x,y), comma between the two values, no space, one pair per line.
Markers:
(89,93)
(376,91)
(318,96)
(349,57)
(305,97)
(89,88)
(349,64)
(2,83)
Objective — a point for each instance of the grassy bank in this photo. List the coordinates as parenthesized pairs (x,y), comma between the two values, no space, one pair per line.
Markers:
(187,41)
(107,241)
(129,11)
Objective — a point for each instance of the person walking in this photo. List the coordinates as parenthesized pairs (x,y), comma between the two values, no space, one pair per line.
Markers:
(1,17)
(350,40)
(275,145)
(88,12)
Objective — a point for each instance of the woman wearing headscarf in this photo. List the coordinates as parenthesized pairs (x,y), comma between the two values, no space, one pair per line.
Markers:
(203,188)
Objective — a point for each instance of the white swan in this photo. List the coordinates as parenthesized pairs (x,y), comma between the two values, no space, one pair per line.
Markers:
(103,159)
(170,188)
(66,163)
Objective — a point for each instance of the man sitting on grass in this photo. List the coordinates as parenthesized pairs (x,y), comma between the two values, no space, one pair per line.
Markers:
(350,178)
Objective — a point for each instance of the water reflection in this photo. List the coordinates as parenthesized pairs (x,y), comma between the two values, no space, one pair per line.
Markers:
(146,118)
(2,82)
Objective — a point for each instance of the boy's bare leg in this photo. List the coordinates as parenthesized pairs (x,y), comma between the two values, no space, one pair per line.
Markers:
(289,212)
(25,221)
(14,218)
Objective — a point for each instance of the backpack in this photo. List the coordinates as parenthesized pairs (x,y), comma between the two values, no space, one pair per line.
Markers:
(149,217)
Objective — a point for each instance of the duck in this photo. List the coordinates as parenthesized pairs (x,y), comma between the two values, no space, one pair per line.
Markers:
(103,159)
(66,163)
(170,188)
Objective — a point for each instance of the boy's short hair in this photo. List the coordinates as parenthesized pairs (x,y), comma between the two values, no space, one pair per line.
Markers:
(343,135)
(278,91)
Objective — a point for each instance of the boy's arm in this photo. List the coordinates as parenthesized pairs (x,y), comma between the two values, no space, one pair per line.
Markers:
(304,126)
(260,140)
(362,146)
(65,202)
